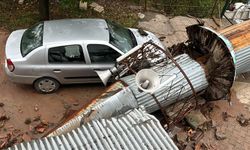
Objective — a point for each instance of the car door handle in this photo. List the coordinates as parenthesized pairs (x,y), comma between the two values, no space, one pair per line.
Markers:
(57,71)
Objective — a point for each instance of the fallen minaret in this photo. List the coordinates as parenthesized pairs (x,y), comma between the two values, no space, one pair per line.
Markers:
(189,77)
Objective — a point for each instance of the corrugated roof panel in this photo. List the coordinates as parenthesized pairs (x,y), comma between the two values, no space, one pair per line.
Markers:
(133,130)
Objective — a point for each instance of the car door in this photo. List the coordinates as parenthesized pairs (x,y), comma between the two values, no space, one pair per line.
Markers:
(68,64)
(102,57)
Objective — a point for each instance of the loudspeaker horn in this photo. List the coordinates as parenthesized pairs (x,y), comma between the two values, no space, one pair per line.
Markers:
(147,80)
(105,75)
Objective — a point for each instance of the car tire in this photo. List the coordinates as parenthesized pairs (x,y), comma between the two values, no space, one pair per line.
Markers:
(46,85)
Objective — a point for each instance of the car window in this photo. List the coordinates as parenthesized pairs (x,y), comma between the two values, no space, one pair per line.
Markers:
(102,54)
(66,54)
(32,38)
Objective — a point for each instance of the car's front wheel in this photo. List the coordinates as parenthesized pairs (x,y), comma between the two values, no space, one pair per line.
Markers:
(46,85)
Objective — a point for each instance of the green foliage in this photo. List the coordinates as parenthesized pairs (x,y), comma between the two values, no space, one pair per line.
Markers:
(68,4)
(87,1)
(198,8)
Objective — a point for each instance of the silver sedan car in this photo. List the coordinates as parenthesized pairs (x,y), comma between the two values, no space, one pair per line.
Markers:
(68,51)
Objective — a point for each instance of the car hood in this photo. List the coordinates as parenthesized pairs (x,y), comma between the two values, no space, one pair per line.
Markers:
(141,39)
(12,49)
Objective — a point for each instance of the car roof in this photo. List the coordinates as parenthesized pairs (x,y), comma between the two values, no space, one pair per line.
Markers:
(57,31)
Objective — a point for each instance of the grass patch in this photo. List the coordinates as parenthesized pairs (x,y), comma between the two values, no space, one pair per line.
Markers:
(14,16)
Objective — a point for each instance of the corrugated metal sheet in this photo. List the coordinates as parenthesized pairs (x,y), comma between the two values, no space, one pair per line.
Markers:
(133,130)
(107,107)
(243,60)
(176,90)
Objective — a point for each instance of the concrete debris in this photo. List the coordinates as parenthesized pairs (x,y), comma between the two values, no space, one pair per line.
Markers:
(213,123)
(10,139)
(173,131)
(26,137)
(41,127)
(220,133)
(201,146)
(83,5)
(4,143)
(181,138)
(225,116)
(96,7)
(242,120)
(197,136)
(196,119)
(141,16)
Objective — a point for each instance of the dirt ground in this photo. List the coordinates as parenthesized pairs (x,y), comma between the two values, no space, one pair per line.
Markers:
(237,136)
(22,103)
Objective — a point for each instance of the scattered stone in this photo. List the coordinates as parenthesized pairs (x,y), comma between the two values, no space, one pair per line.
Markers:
(26,137)
(181,138)
(76,104)
(20,110)
(195,119)
(83,5)
(27,121)
(162,38)
(191,132)
(67,106)
(37,118)
(225,116)
(213,123)
(4,117)
(201,146)
(173,131)
(96,7)
(1,104)
(41,127)
(134,7)
(197,136)
(20,2)
(188,147)
(141,16)
(36,107)
(242,120)
(220,133)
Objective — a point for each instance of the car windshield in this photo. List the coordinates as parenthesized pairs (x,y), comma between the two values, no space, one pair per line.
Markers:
(121,37)
(32,38)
